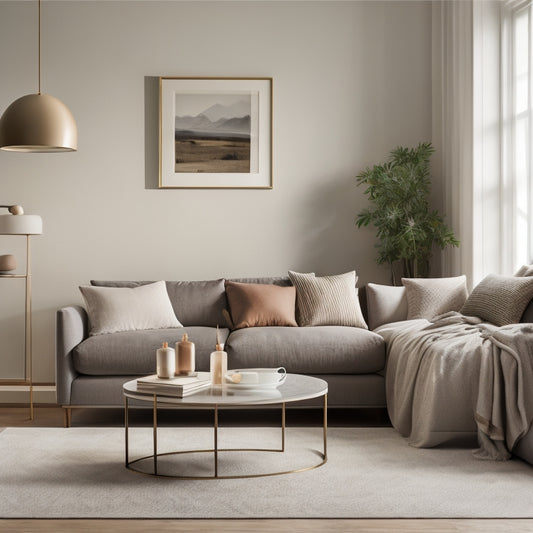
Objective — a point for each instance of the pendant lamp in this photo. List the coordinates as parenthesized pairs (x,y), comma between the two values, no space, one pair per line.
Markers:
(38,122)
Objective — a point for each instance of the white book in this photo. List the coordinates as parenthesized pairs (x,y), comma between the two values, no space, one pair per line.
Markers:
(176,386)
(174,392)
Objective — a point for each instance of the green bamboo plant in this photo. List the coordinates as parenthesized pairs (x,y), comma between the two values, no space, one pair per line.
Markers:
(407,228)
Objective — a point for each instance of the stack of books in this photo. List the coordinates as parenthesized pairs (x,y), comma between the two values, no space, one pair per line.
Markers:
(178,386)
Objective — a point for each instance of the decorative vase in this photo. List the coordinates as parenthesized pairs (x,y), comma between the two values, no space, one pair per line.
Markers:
(185,356)
(218,364)
(8,263)
(166,362)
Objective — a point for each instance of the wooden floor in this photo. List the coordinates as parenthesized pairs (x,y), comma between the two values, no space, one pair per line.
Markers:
(52,416)
(274,526)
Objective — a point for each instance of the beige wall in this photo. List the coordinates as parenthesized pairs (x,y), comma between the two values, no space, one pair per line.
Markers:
(351,81)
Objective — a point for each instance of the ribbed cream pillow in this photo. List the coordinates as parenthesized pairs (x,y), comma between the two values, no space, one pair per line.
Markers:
(327,300)
(112,309)
(500,300)
(429,297)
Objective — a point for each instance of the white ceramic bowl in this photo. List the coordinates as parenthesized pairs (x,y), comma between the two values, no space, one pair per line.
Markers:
(265,376)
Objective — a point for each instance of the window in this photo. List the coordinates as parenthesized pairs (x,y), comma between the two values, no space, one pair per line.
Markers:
(483,127)
(516,134)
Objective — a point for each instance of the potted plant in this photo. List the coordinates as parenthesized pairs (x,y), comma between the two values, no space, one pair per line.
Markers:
(399,208)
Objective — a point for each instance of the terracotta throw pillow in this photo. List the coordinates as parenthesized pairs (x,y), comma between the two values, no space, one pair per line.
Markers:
(256,304)
(430,297)
(327,300)
(500,300)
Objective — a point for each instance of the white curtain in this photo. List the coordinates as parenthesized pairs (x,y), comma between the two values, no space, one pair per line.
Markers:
(483,129)
(453,125)
(487,198)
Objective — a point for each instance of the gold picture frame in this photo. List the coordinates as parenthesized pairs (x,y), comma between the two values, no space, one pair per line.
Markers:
(215,133)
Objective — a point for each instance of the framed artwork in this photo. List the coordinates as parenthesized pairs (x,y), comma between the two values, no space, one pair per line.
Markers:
(215,133)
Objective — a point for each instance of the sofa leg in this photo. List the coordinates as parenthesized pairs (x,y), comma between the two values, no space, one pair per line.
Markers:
(68,416)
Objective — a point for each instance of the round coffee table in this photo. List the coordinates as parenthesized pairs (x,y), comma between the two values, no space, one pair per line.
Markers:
(295,388)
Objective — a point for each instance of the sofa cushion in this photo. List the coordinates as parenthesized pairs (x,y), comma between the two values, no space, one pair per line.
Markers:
(200,303)
(196,303)
(385,304)
(318,350)
(258,304)
(525,271)
(282,281)
(113,309)
(327,300)
(134,352)
(429,297)
(500,300)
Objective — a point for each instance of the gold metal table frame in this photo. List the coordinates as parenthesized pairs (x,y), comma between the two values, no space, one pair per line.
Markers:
(131,465)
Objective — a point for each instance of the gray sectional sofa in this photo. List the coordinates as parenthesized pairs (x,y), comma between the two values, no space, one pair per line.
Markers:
(457,364)
(92,369)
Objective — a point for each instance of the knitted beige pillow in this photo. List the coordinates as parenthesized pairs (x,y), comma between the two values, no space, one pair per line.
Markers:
(327,300)
(430,297)
(500,300)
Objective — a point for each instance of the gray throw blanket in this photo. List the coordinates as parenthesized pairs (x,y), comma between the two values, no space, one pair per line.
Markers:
(446,377)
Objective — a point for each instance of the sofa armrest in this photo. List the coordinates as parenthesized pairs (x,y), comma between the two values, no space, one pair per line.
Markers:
(71,329)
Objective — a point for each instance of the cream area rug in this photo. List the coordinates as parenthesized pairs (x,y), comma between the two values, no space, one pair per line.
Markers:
(370,473)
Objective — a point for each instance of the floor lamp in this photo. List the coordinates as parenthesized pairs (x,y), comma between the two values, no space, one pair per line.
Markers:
(16,223)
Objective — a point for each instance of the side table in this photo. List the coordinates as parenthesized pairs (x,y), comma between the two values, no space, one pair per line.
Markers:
(23,225)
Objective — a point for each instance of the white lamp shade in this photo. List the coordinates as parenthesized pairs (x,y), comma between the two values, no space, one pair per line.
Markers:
(38,123)
(21,225)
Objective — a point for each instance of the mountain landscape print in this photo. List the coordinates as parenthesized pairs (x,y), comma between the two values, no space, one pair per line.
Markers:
(212,132)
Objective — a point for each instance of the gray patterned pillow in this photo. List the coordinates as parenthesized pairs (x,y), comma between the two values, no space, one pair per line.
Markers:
(327,300)
(429,297)
(500,300)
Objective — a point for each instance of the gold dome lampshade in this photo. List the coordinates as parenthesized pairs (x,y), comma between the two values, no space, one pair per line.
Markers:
(38,122)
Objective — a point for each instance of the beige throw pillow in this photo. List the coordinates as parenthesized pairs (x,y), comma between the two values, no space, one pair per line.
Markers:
(327,300)
(429,297)
(500,300)
(385,304)
(112,309)
(255,304)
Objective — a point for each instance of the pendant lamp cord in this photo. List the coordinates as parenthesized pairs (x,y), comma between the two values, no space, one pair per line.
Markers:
(39,46)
